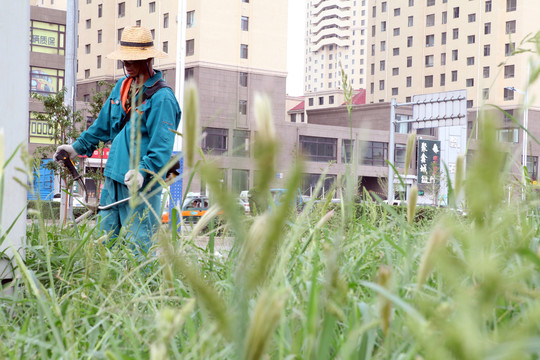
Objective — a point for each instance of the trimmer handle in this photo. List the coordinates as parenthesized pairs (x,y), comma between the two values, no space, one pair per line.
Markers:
(62,157)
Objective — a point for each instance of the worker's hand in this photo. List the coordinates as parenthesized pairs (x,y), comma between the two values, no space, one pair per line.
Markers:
(69,149)
(133,178)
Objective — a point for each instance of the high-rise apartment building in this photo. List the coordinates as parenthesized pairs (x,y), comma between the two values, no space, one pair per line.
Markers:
(232,52)
(336,39)
(429,46)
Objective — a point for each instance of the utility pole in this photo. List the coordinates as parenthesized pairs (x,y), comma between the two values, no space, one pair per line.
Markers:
(70,98)
(15,22)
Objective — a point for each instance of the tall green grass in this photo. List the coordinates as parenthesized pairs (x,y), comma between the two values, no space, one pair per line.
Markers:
(352,281)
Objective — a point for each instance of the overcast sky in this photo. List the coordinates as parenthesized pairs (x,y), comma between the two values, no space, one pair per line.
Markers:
(295,48)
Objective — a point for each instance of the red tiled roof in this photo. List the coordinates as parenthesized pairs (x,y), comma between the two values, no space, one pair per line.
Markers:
(300,106)
(359,98)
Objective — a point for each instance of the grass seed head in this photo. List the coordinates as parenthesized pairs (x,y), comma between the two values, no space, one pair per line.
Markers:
(411,205)
(191,123)
(384,279)
(437,240)
(411,139)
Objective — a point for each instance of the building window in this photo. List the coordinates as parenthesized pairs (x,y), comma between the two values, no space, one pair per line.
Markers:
(374,153)
(152,7)
(88,23)
(511,27)
(411,2)
(190,18)
(383,26)
(347,150)
(394,91)
(395,51)
(454,75)
(381,84)
(87,48)
(310,181)
(396,31)
(86,98)
(244,23)
(487,28)
(190,47)
(399,155)
(383,7)
(429,61)
(320,149)
(242,107)
(245,1)
(47,38)
(455,33)
(374,11)
(138,23)
(532,167)
(153,32)
(121,9)
(488,6)
(240,180)
(430,20)
(471,39)
(430,2)
(215,141)
(430,40)
(243,79)
(456,12)
(485,94)
(508,135)
(382,65)
(243,51)
(443,58)
(470,104)
(395,71)
(98,62)
(469,82)
(485,72)
(119,64)
(428,81)
(99,36)
(100,10)
(321,100)
(443,79)
(409,61)
(410,21)
(454,55)
(383,46)
(397,12)
(331,99)
(487,50)
(409,41)
(471,18)
(444,18)
(511,5)
(119,34)
(509,48)
(470,60)
(293,118)
(508,71)
(139,3)
(310,101)
(240,143)
(87,73)
(166,20)
(166,47)
(372,67)
(408,81)
(46,81)
(189,73)
(443,38)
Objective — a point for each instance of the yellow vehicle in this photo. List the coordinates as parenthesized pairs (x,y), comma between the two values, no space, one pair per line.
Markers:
(194,208)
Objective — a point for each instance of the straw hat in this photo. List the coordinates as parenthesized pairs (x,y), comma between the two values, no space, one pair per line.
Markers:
(136,44)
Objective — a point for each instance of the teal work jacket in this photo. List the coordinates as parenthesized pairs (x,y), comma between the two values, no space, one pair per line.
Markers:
(158,116)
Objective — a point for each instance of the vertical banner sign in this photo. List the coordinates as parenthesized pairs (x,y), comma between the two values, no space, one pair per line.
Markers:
(429,160)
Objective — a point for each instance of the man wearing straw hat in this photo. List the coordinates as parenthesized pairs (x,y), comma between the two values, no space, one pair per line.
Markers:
(141,104)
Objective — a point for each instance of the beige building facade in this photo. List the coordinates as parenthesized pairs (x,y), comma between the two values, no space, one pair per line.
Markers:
(336,39)
(232,53)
